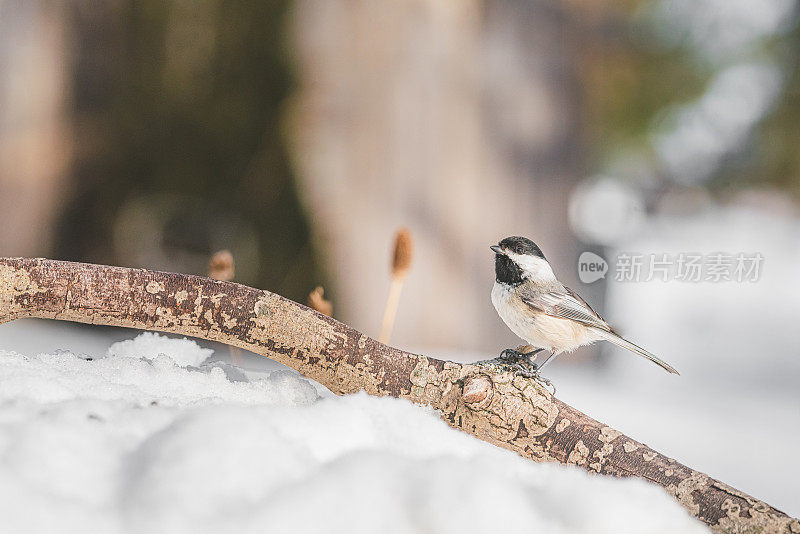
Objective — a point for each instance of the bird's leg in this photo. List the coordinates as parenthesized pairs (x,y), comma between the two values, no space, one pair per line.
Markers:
(550,357)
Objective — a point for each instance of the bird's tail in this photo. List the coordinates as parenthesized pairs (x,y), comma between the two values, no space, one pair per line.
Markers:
(625,344)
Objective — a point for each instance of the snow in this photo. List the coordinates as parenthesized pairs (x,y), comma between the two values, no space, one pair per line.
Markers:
(150,345)
(156,435)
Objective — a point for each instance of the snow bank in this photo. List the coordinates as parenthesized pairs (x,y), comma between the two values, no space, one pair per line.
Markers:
(150,345)
(143,441)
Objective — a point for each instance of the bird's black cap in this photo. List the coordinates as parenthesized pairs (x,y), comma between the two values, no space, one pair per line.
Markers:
(521,245)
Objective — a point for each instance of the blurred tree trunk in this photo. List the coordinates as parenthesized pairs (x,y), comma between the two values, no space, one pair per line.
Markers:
(457,119)
(34,138)
(176,116)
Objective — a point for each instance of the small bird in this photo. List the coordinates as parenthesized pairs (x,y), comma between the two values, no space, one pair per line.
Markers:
(543,311)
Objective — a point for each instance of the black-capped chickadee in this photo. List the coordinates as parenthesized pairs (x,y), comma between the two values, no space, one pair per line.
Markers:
(543,311)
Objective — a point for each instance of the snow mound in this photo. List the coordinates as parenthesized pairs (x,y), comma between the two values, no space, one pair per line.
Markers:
(54,378)
(124,444)
(150,345)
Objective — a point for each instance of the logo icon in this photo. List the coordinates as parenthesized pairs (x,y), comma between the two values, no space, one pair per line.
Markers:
(591,267)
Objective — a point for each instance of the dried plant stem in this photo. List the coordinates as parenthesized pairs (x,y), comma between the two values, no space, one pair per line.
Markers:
(501,408)
(390,311)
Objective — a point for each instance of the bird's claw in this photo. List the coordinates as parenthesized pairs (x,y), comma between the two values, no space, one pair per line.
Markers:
(545,383)
(532,372)
(515,355)
(510,355)
(520,363)
(528,372)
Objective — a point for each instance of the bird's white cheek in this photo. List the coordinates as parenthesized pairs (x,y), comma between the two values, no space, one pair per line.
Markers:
(536,269)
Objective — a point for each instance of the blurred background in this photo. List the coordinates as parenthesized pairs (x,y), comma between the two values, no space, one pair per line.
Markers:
(301,134)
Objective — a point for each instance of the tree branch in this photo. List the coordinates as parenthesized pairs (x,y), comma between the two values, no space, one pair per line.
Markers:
(503,409)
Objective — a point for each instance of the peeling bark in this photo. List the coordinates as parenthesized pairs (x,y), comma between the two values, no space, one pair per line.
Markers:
(501,408)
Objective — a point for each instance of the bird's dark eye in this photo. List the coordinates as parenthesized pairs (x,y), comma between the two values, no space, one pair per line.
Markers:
(518,250)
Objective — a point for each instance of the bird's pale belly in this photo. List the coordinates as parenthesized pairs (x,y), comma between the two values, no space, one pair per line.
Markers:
(536,328)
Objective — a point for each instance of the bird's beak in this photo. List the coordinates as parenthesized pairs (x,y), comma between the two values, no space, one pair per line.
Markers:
(497,250)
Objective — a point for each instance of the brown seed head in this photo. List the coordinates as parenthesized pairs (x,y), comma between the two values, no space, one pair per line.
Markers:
(220,266)
(403,252)
(316,301)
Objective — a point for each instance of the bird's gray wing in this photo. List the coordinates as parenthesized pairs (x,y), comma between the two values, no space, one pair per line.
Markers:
(565,304)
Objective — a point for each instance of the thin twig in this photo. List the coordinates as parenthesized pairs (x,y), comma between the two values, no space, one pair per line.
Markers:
(401,264)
